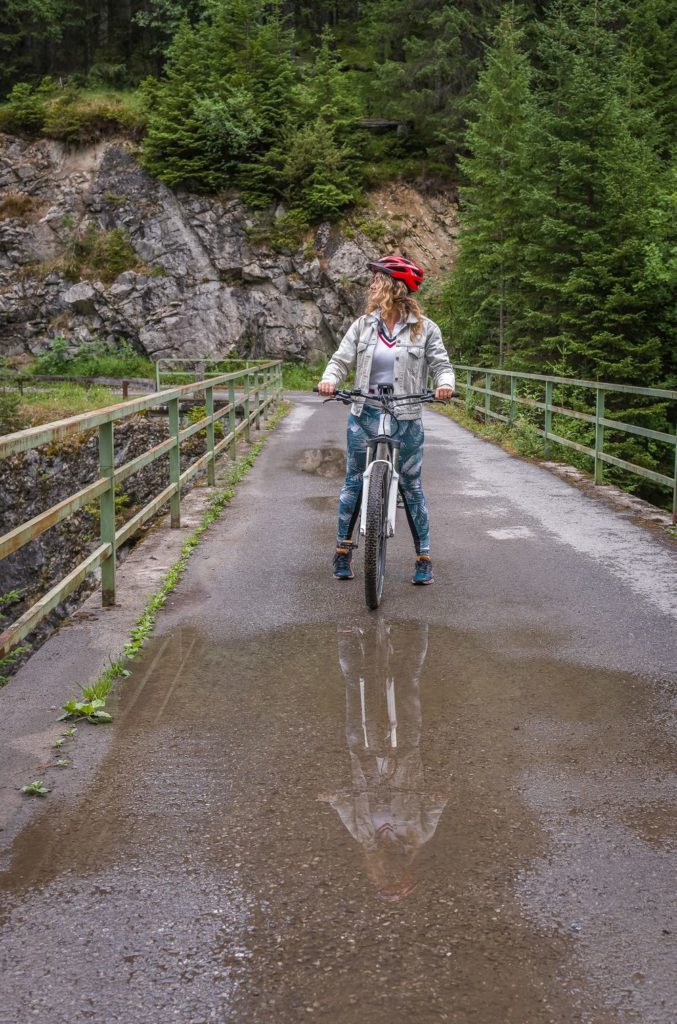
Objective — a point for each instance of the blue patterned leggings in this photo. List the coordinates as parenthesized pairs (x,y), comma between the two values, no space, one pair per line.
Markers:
(360,430)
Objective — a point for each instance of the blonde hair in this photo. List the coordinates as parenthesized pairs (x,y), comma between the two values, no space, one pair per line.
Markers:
(394,296)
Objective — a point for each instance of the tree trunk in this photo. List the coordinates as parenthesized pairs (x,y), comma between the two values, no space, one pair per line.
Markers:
(102,27)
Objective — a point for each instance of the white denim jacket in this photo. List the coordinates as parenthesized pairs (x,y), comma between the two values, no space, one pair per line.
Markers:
(415,359)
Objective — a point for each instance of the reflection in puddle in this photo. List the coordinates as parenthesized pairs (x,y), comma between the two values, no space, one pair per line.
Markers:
(387,808)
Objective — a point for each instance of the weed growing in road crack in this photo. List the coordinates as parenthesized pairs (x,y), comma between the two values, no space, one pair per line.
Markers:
(90,711)
(36,788)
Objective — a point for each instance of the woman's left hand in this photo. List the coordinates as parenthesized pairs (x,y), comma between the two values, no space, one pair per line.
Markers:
(443,394)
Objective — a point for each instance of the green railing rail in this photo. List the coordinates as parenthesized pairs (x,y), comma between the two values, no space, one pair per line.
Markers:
(597,390)
(200,368)
(260,387)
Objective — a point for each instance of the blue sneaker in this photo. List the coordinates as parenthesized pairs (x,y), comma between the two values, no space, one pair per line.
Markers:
(342,562)
(423,573)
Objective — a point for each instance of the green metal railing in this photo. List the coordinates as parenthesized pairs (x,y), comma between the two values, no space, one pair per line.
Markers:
(261,386)
(598,420)
(167,368)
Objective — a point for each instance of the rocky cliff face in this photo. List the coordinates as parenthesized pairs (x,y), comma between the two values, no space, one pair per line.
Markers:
(201,285)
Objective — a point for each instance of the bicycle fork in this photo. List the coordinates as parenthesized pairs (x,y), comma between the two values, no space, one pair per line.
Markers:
(385,451)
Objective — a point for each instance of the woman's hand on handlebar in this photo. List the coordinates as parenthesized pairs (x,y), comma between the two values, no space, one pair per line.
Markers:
(443,394)
(325,387)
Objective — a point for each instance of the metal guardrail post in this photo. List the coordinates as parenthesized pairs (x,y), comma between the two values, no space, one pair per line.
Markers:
(231,419)
(257,419)
(175,463)
(247,408)
(487,397)
(209,411)
(512,415)
(599,436)
(107,512)
(547,420)
(674,488)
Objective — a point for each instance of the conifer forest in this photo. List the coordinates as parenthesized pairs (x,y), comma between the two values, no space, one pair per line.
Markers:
(554,121)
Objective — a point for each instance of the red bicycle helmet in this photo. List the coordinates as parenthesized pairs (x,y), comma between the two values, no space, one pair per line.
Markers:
(400,269)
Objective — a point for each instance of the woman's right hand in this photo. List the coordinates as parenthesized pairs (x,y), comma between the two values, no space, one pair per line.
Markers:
(325,387)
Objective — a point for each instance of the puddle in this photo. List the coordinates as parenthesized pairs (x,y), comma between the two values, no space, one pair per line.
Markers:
(317,816)
(327,462)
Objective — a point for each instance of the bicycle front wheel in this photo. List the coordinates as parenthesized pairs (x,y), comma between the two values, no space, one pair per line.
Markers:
(376,535)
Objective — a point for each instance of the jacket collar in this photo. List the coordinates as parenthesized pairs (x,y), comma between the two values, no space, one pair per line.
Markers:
(376,315)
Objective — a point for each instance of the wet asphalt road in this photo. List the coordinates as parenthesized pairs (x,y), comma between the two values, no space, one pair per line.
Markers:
(461,808)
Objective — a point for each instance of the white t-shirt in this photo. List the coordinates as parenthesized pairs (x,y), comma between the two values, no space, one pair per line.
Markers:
(383,361)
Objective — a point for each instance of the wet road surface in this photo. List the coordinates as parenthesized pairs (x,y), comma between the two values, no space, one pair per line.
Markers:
(461,808)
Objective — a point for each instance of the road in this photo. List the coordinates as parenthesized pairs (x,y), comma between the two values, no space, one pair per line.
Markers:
(460,808)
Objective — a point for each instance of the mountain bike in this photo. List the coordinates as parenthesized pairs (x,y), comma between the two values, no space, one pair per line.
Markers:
(380,482)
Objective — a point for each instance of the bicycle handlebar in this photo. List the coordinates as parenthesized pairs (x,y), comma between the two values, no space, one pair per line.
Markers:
(348,397)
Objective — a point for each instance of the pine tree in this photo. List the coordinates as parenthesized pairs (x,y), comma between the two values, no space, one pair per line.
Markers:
(589,194)
(481,290)
(315,165)
(425,68)
(651,37)
(326,91)
(30,33)
(225,98)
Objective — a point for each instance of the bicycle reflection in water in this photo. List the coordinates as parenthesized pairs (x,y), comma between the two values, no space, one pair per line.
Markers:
(387,809)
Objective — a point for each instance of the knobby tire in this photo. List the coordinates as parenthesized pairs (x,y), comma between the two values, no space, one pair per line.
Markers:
(376,535)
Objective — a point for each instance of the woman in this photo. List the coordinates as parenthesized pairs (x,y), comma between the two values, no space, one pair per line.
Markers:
(393,343)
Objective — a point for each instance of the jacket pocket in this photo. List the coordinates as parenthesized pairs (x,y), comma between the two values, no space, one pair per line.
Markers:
(414,369)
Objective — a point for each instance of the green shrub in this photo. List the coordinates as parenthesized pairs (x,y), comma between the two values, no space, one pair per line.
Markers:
(97,359)
(525,439)
(300,376)
(198,412)
(25,109)
(55,361)
(76,115)
(81,118)
(375,229)
(101,254)
(11,416)
(288,230)
(109,75)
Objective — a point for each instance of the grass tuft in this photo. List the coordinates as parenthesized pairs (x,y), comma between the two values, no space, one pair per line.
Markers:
(59,401)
